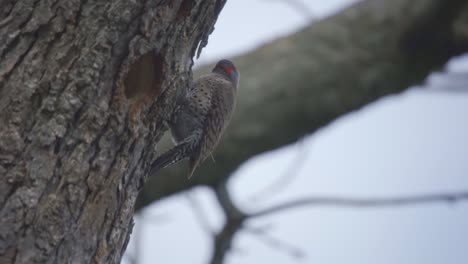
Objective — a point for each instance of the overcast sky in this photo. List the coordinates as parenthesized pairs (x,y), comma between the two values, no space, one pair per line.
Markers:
(411,143)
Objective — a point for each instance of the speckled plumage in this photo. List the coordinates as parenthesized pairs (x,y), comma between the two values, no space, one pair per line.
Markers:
(201,117)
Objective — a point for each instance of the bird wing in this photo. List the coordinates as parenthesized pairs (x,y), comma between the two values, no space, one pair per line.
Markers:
(215,99)
(219,114)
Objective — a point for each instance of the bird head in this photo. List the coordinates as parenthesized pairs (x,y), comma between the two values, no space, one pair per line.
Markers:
(228,70)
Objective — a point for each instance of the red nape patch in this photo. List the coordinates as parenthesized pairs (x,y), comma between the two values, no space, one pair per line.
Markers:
(228,69)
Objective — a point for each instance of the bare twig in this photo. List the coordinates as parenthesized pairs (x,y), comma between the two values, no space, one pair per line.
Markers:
(275,243)
(364,202)
(288,175)
(235,218)
(301,8)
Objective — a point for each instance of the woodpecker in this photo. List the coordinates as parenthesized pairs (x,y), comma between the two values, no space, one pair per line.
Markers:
(201,116)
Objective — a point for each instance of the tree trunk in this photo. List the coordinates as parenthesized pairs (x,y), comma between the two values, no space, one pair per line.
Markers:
(297,84)
(84,87)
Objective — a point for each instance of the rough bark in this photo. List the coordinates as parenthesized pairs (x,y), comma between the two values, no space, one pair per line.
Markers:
(297,84)
(84,86)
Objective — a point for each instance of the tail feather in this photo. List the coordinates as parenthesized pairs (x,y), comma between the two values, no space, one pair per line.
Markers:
(188,148)
(192,166)
(170,157)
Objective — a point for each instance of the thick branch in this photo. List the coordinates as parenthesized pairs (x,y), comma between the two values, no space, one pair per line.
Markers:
(295,85)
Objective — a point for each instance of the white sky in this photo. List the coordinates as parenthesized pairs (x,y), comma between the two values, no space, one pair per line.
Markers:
(411,143)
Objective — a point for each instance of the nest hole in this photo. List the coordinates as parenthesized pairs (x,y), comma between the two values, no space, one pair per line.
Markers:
(145,76)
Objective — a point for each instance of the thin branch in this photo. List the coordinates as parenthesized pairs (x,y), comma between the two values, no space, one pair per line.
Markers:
(300,7)
(235,218)
(363,202)
(288,176)
(275,243)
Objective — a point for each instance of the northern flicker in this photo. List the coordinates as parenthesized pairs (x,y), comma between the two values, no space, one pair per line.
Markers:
(201,117)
